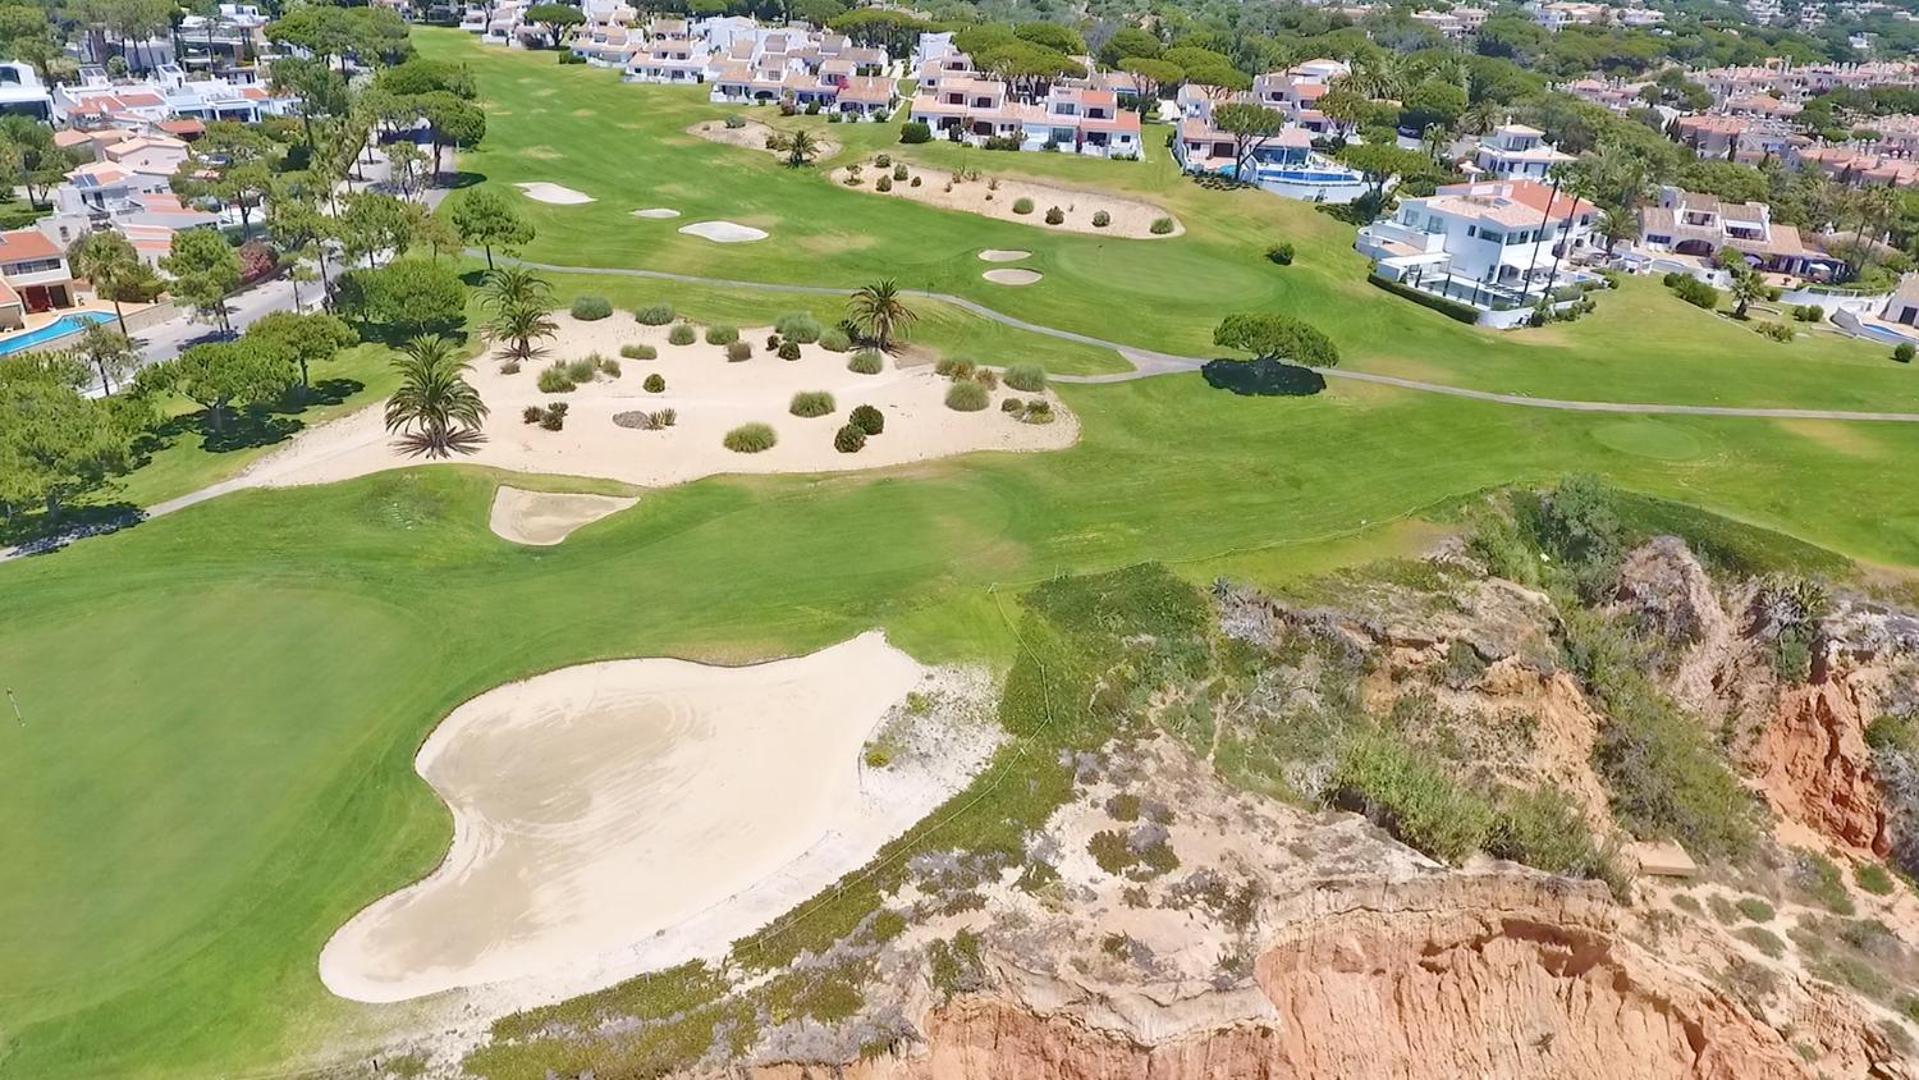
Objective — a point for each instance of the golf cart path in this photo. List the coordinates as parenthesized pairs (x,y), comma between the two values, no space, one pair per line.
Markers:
(1147,362)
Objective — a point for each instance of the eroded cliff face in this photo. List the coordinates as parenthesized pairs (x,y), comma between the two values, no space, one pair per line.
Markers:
(1495,974)
(1803,744)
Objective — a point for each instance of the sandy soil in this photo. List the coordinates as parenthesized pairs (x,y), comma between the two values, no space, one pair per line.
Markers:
(657,213)
(554,193)
(544,518)
(1012,277)
(1131,218)
(610,816)
(724,232)
(997,255)
(711,397)
(752,137)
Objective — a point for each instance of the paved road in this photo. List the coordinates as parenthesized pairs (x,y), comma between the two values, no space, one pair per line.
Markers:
(1147,362)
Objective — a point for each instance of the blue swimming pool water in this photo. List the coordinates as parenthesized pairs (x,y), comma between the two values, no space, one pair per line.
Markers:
(64,326)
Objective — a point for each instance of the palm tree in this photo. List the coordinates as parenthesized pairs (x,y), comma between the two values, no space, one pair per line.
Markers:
(520,325)
(1616,225)
(1748,287)
(512,286)
(879,312)
(801,147)
(435,408)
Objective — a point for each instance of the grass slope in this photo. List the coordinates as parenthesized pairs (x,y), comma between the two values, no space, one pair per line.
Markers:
(627,146)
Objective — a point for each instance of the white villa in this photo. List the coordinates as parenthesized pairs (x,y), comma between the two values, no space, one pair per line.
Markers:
(1695,227)
(1286,164)
(98,101)
(22,93)
(1513,152)
(1496,246)
(956,101)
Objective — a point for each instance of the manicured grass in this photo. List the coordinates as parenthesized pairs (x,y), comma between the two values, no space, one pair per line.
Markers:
(627,145)
(222,704)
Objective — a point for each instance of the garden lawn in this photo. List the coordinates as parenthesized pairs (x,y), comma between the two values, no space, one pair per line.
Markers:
(222,704)
(627,145)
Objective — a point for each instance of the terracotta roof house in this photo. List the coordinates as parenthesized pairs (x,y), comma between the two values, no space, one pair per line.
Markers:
(1690,223)
(35,268)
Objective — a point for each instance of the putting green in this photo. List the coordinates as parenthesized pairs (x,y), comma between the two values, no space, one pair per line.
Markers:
(1650,438)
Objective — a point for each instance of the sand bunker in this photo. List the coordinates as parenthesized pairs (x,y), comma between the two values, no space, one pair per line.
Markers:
(753,137)
(554,193)
(544,518)
(1128,218)
(599,807)
(724,232)
(710,396)
(1012,277)
(657,213)
(1001,255)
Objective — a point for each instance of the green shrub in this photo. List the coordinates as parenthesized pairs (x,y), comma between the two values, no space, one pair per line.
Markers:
(849,439)
(1038,411)
(798,326)
(682,334)
(866,362)
(1687,904)
(789,350)
(583,369)
(834,339)
(750,438)
(1280,253)
(884,183)
(610,367)
(867,419)
(639,352)
(554,418)
(1012,405)
(1029,378)
(1777,331)
(655,314)
(882,161)
(1022,205)
(811,403)
(917,181)
(1873,878)
(531,414)
(509,367)
(654,384)
(772,342)
(967,397)
(554,380)
(592,308)
(1695,292)
(1755,909)
(1818,879)
(1904,352)
(987,377)
(960,369)
(1055,216)
(1408,794)
(722,335)
(1162,226)
(737,351)
(1544,830)
(1722,909)
(899,171)
(915,131)
(1809,313)
(1762,939)
(1101,219)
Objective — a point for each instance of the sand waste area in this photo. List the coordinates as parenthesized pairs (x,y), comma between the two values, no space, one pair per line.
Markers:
(753,137)
(614,816)
(657,213)
(544,518)
(996,197)
(709,396)
(1000,255)
(554,193)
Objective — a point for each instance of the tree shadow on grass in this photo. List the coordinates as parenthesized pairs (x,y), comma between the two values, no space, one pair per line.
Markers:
(1262,378)
(34,534)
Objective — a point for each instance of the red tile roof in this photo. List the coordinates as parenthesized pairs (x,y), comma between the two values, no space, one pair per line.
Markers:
(19,245)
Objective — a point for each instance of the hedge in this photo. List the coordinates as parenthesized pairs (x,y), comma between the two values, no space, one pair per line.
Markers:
(1451,309)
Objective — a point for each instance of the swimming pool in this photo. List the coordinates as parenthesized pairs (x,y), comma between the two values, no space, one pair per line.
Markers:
(64,326)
